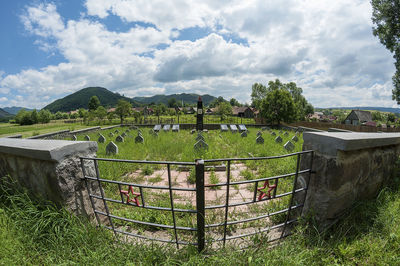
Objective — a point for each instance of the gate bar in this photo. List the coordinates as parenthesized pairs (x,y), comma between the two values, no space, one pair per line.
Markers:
(200,204)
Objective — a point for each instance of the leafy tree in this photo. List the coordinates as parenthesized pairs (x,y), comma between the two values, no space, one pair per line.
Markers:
(44,116)
(123,109)
(34,117)
(258,93)
(224,109)
(94,103)
(23,117)
(391,117)
(377,116)
(110,116)
(386,17)
(137,116)
(81,112)
(277,106)
(59,115)
(101,113)
(234,102)
(172,103)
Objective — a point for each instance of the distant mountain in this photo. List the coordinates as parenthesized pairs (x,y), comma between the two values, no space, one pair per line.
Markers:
(185,97)
(381,109)
(14,109)
(5,116)
(81,98)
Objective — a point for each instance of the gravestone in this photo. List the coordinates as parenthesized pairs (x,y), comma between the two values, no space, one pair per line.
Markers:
(74,138)
(201,144)
(243,134)
(123,134)
(295,138)
(111,148)
(166,128)
(233,128)
(101,139)
(289,146)
(278,139)
(175,128)
(286,134)
(116,131)
(153,133)
(265,128)
(157,128)
(259,140)
(242,128)
(259,133)
(273,133)
(111,134)
(200,114)
(87,138)
(119,139)
(200,137)
(128,130)
(224,128)
(139,139)
(192,131)
(280,131)
(205,130)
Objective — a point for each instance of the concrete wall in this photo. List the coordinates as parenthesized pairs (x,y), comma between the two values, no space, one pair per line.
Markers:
(51,169)
(348,167)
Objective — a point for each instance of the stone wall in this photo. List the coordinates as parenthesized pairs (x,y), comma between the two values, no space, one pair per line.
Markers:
(348,167)
(51,169)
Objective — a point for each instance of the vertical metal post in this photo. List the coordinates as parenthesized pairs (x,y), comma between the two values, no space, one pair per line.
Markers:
(293,192)
(200,204)
(172,203)
(228,181)
(103,196)
(276,187)
(308,180)
(89,192)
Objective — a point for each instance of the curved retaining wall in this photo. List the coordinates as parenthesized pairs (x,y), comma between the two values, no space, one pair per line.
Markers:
(348,167)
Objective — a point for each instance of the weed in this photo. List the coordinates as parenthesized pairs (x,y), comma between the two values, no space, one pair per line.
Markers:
(214,180)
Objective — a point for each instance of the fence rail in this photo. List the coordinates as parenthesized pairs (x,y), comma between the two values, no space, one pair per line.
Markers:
(139,196)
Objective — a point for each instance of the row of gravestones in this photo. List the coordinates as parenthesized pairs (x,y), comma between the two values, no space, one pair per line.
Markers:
(288,145)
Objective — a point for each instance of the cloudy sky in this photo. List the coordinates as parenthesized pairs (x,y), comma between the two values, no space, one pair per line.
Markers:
(50,49)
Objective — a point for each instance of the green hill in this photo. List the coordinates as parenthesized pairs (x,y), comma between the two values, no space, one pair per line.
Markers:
(185,97)
(14,109)
(81,98)
(5,116)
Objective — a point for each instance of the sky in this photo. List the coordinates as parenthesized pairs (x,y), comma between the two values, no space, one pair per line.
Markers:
(50,49)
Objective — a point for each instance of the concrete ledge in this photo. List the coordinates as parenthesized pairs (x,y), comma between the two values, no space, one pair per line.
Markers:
(47,150)
(18,136)
(333,129)
(49,134)
(330,142)
(85,130)
(309,129)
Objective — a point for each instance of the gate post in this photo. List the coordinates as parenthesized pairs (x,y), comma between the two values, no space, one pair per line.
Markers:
(200,204)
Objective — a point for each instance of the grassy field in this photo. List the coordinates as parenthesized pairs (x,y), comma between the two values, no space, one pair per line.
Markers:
(7,129)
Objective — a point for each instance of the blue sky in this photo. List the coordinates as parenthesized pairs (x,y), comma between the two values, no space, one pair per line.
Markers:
(50,49)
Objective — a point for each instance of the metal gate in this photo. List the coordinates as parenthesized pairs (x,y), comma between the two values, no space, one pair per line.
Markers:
(219,206)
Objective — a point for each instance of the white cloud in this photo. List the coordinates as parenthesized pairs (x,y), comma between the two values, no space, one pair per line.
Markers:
(327,48)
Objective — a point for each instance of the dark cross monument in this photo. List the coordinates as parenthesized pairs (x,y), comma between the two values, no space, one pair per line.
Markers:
(199,124)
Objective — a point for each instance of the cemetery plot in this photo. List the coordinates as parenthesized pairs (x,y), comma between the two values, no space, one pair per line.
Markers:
(157,200)
(167,127)
(130,186)
(233,128)
(224,128)
(175,128)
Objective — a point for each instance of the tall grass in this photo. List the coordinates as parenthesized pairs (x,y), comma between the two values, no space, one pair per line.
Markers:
(36,232)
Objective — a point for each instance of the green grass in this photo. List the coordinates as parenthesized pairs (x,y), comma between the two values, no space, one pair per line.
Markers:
(36,232)
(7,129)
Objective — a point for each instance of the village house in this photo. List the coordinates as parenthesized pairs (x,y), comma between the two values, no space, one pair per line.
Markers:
(244,111)
(358,117)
